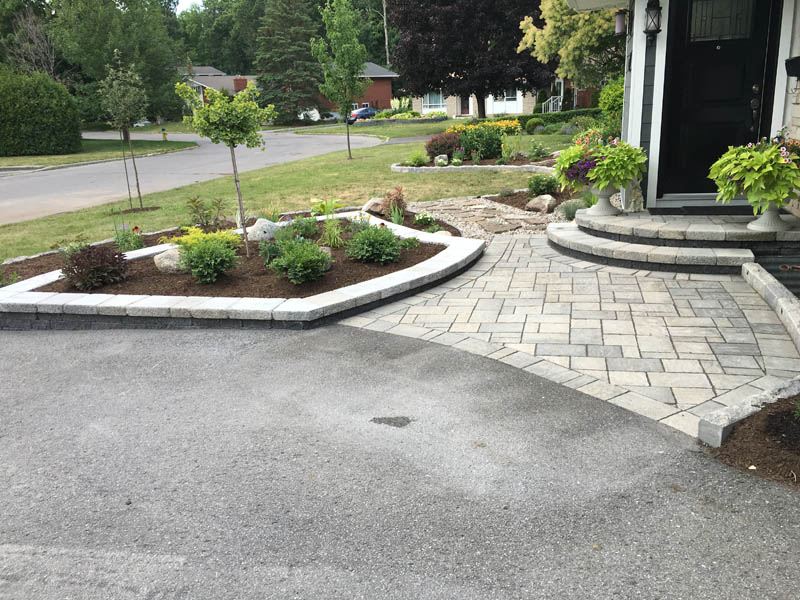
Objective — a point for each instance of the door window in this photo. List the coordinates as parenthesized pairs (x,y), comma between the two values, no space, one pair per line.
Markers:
(713,20)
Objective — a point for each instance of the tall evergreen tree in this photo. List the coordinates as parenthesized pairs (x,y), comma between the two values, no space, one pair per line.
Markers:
(290,75)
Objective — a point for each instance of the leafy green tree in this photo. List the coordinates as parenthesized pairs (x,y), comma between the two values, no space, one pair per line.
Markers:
(342,58)
(290,76)
(125,100)
(584,44)
(230,121)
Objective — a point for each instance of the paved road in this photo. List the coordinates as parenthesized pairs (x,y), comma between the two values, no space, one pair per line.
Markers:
(223,465)
(31,195)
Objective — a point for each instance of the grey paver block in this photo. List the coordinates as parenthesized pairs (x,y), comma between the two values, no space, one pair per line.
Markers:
(254,308)
(152,306)
(644,406)
(25,302)
(117,304)
(88,305)
(634,364)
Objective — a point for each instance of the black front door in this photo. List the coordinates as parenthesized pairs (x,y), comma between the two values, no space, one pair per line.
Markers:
(719,85)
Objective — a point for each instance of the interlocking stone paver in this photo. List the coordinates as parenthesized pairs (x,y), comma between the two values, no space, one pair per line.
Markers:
(670,346)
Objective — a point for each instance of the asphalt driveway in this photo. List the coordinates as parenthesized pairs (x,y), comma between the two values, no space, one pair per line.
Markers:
(246,464)
(37,194)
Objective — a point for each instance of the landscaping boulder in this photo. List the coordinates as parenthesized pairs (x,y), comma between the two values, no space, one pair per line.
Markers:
(379,206)
(542,204)
(262,230)
(167,262)
(442,158)
(329,252)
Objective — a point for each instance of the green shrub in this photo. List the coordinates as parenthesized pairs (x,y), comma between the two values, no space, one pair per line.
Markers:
(93,267)
(300,261)
(434,228)
(332,233)
(374,244)
(566,116)
(297,228)
(532,124)
(206,216)
(611,100)
(409,243)
(443,143)
(37,116)
(486,140)
(424,219)
(418,158)
(269,251)
(537,151)
(384,114)
(540,184)
(570,207)
(127,238)
(207,259)
(552,128)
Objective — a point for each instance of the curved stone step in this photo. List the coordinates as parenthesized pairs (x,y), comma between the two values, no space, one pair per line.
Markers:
(569,237)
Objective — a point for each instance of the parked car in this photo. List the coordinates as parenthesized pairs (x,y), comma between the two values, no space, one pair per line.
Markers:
(144,123)
(361,113)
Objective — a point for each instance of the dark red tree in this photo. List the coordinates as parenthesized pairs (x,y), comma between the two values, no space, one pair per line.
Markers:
(465,47)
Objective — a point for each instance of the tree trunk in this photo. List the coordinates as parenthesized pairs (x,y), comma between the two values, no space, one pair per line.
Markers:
(481,100)
(386,35)
(135,170)
(347,125)
(241,204)
(125,164)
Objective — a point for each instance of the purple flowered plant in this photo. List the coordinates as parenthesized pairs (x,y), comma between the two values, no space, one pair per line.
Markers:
(578,173)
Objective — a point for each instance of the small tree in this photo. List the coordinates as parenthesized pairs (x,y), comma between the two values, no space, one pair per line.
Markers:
(123,96)
(228,121)
(342,58)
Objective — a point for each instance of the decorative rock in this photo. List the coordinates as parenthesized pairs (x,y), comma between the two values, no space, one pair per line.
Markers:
(443,232)
(167,262)
(372,204)
(262,230)
(542,204)
(442,158)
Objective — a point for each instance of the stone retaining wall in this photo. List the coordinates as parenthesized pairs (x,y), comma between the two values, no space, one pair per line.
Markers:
(398,168)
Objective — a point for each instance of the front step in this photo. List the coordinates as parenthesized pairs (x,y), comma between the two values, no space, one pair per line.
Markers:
(568,239)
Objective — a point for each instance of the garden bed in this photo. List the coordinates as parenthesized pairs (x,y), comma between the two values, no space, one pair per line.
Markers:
(490,165)
(517,162)
(408,221)
(520,199)
(769,440)
(251,278)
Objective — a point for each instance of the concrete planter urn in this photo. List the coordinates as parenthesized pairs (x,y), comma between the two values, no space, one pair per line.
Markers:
(769,220)
(603,208)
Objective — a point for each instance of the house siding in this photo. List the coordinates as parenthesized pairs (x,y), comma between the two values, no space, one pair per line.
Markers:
(647,104)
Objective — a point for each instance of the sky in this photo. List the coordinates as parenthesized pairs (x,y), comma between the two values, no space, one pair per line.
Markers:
(184,4)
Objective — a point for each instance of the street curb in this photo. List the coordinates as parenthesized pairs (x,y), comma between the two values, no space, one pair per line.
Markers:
(21,307)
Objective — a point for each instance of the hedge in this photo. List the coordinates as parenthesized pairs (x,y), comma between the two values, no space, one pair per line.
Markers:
(37,116)
(560,117)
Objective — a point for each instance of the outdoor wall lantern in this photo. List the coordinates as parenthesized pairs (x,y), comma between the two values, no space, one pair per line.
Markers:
(652,19)
(619,23)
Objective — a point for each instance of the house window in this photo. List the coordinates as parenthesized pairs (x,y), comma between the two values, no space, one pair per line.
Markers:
(355,106)
(713,20)
(510,95)
(365,105)
(433,101)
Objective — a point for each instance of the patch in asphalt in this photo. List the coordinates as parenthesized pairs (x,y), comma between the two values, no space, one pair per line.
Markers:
(391,421)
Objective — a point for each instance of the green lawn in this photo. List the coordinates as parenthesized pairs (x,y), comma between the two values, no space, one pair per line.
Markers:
(95,150)
(290,186)
(389,130)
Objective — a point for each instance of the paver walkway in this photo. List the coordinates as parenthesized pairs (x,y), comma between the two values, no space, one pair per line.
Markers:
(669,346)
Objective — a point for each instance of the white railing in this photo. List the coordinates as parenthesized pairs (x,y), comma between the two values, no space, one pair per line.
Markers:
(552,105)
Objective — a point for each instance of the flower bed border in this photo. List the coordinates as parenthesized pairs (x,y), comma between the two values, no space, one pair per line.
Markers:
(21,307)
(373,122)
(398,168)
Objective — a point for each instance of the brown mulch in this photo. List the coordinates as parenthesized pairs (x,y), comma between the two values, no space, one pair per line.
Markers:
(769,441)
(252,279)
(520,199)
(408,221)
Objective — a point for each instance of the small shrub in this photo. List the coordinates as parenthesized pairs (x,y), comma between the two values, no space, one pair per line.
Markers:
(506,192)
(325,207)
(486,140)
(73,248)
(195,235)
(358,223)
(418,158)
(206,216)
(532,124)
(409,243)
(384,114)
(207,259)
(396,199)
(611,100)
(537,151)
(456,162)
(540,184)
(501,161)
(435,114)
(589,198)
(127,238)
(475,156)
(433,228)
(300,261)
(443,143)
(299,227)
(93,267)
(271,213)
(551,129)
(375,244)
(570,207)
(269,251)
(424,219)
(332,233)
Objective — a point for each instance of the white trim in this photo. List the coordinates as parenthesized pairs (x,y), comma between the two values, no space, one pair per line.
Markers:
(637,74)
(781,109)
(659,76)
